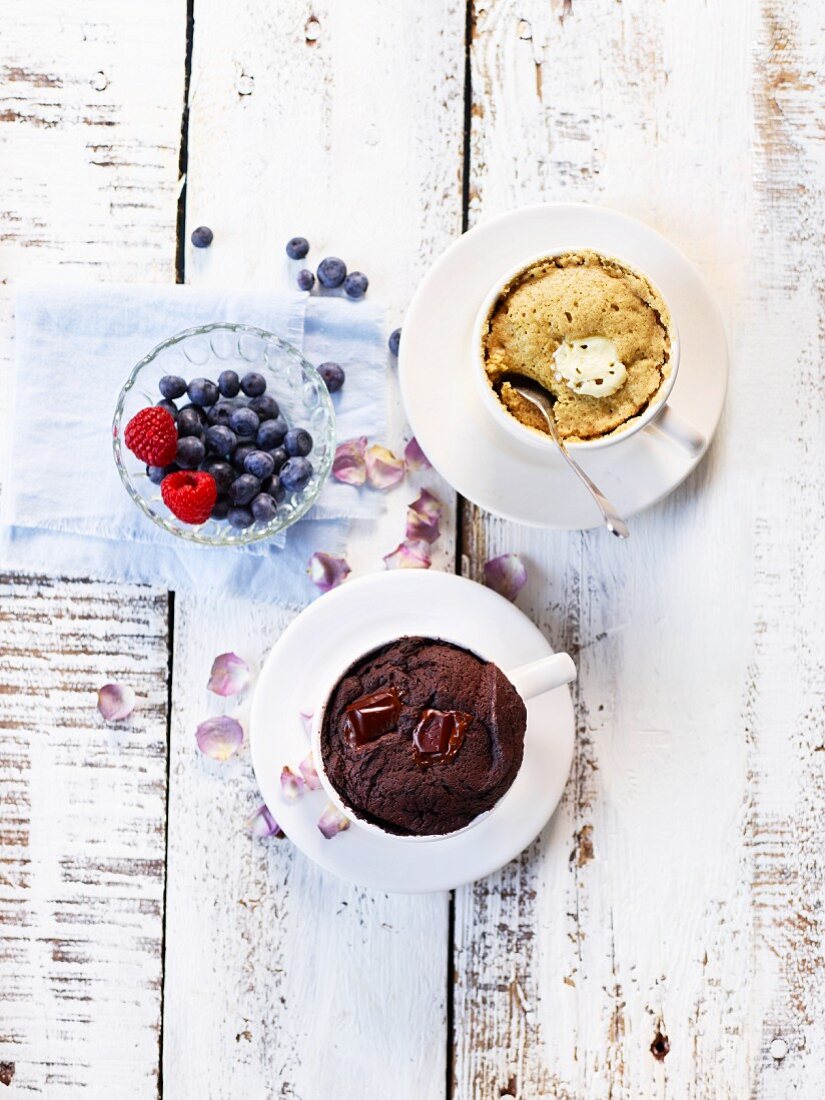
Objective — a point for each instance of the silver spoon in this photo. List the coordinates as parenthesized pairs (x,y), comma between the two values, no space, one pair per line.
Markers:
(539,400)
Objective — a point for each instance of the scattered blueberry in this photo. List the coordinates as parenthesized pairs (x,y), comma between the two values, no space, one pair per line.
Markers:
(244,421)
(253,385)
(156,474)
(229,384)
(265,406)
(333,375)
(331,272)
(394,341)
(170,407)
(189,422)
(191,452)
(279,457)
(295,474)
(202,236)
(244,488)
(355,284)
(264,508)
(259,463)
(273,487)
(223,474)
(221,507)
(305,279)
(203,392)
(172,386)
(239,457)
(271,433)
(220,440)
(240,517)
(297,248)
(297,442)
(220,413)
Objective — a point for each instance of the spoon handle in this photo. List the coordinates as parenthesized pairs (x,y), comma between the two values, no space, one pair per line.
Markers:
(613,521)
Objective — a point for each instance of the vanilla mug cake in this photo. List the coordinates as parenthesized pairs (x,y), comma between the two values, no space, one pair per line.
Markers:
(593,332)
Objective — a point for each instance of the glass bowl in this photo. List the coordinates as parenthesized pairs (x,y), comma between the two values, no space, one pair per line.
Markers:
(205,352)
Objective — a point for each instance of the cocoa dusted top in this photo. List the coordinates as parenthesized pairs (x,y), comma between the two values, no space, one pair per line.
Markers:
(440,736)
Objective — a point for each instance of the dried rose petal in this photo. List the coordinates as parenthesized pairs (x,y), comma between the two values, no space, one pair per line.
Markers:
(415,457)
(332,821)
(506,575)
(309,773)
(292,786)
(409,555)
(327,571)
(383,469)
(115,701)
(230,675)
(349,464)
(219,738)
(423,518)
(263,824)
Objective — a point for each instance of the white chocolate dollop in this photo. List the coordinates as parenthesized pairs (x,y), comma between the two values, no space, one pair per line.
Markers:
(590,365)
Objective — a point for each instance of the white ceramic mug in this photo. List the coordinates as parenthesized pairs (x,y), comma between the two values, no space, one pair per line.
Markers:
(530,680)
(658,416)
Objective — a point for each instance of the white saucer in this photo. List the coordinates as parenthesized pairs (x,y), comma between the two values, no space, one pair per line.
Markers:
(462,440)
(331,633)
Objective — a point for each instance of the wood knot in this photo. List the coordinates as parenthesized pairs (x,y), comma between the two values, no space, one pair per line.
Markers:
(660,1047)
(245,84)
(778,1049)
(509,1089)
(6,1072)
(312,30)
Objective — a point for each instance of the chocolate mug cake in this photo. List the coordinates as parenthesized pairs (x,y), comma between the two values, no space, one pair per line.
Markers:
(420,737)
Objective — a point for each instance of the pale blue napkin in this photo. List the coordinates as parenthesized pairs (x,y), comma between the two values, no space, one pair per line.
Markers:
(64,508)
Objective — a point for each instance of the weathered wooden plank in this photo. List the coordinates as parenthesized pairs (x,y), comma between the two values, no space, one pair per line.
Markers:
(82,838)
(344,124)
(90,108)
(678,891)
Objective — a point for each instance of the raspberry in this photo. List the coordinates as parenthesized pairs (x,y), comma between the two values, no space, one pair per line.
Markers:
(152,437)
(189,495)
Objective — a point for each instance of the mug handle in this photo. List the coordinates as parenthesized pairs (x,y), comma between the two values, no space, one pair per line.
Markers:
(543,675)
(670,424)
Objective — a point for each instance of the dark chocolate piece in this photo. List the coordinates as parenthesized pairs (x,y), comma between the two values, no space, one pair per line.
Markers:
(439,735)
(371,717)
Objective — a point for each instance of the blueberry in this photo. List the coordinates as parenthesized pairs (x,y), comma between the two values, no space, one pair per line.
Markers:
(223,474)
(156,474)
(333,375)
(273,487)
(221,508)
(202,236)
(295,474)
(259,463)
(239,457)
(229,384)
(279,457)
(170,407)
(265,406)
(221,413)
(189,421)
(331,272)
(305,279)
(220,440)
(297,248)
(203,392)
(244,421)
(264,508)
(271,433)
(297,442)
(394,341)
(190,452)
(355,284)
(252,384)
(244,488)
(240,517)
(172,386)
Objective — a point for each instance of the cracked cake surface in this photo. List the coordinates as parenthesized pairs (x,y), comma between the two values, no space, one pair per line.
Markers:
(382,781)
(570,297)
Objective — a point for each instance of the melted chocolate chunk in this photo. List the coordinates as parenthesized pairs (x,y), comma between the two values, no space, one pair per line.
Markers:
(371,716)
(439,735)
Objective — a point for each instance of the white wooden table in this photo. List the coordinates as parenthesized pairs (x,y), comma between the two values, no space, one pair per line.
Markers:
(663,938)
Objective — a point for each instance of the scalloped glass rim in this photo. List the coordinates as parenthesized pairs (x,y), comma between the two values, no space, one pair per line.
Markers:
(229,536)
